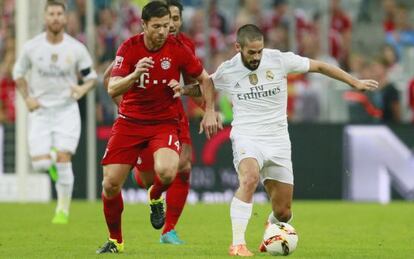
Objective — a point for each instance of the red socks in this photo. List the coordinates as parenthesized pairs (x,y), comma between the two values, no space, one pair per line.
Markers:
(175,200)
(157,189)
(113,210)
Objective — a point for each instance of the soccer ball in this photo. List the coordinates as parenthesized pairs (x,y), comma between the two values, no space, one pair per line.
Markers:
(280,239)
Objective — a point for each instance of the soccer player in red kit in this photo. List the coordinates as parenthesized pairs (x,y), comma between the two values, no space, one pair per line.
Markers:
(177,193)
(143,172)
(145,72)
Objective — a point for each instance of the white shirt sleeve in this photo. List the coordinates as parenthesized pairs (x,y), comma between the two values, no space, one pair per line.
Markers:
(294,63)
(22,65)
(218,78)
(85,62)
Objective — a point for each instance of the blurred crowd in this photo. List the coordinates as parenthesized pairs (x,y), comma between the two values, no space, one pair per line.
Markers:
(325,34)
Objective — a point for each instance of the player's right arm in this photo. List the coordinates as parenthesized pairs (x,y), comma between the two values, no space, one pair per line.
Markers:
(119,85)
(21,67)
(31,103)
(106,77)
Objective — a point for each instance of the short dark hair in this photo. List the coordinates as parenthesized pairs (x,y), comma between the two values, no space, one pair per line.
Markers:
(154,9)
(249,32)
(55,3)
(177,4)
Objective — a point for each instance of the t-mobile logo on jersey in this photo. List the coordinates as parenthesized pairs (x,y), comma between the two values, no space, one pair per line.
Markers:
(145,80)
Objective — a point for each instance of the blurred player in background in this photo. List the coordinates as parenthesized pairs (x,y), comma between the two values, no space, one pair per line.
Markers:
(54,59)
(143,172)
(256,80)
(145,72)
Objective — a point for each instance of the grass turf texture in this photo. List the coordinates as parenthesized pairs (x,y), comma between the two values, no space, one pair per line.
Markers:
(326,230)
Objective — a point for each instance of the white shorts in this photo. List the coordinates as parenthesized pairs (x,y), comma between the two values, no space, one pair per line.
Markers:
(272,154)
(57,127)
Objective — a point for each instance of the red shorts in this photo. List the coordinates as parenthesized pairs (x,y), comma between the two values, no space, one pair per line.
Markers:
(145,161)
(129,139)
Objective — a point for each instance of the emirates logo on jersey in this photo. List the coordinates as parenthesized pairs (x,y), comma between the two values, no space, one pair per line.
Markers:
(165,63)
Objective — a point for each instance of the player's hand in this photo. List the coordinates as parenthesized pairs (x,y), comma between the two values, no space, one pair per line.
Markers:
(78,92)
(366,85)
(32,104)
(219,118)
(209,123)
(143,65)
(176,87)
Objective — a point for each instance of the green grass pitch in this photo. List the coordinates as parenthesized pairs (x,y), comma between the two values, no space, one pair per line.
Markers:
(333,229)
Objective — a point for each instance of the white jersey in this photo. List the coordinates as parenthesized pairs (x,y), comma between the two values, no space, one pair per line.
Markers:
(259,97)
(53,68)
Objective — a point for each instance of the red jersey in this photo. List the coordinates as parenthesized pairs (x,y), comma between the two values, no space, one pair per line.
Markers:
(186,41)
(150,98)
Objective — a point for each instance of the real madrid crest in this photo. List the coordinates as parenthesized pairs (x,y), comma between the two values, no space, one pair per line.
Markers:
(269,75)
(165,63)
(253,79)
(68,59)
(54,57)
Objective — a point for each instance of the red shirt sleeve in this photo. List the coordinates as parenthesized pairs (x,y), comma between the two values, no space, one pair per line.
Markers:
(122,64)
(190,64)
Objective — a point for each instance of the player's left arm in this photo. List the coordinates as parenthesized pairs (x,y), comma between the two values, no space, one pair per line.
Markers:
(339,74)
(87,73)
(78,91)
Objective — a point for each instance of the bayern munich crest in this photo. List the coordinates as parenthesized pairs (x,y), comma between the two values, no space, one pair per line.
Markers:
(165,63)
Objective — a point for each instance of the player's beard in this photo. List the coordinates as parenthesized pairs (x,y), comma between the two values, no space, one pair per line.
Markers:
(159,41)
(252,65)
(55,28)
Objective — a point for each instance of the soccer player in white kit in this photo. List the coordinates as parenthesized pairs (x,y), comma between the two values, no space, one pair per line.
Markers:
(51,90)
(255,78)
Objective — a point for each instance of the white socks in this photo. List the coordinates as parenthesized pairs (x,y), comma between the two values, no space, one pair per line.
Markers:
(273,220)
(240,213)
(64,186)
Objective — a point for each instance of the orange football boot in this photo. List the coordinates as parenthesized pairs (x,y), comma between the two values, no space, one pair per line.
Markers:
(239,250)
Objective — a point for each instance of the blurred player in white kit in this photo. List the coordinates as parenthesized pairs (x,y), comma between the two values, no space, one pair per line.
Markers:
(46,73)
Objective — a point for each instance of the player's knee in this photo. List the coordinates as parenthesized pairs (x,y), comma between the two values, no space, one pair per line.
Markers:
(167,177)
(41,165)
(283,214)
(250,181)
(63,157)
(166,172)
(110,188)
